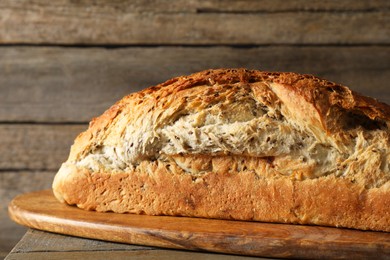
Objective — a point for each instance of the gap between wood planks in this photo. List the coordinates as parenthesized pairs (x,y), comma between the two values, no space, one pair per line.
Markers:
(203,46)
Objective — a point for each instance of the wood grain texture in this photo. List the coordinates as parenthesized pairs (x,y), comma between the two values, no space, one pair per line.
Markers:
(36,147)
(43,245)
(76,84)
(13,183)
(193,6)
(119,255)
(42,211)
(38,241)
(69,25)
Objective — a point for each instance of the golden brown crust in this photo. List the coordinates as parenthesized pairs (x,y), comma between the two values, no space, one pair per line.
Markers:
(242,186)
(154,189)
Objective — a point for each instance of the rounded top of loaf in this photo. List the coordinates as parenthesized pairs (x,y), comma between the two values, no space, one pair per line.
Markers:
(321,93)
(324,106)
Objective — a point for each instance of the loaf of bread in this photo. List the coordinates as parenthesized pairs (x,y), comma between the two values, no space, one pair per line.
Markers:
(237,144)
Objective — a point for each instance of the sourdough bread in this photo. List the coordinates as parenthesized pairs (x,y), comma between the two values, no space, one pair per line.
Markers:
(237,144)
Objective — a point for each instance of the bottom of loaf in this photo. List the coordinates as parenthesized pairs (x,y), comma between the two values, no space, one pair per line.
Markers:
(153,190)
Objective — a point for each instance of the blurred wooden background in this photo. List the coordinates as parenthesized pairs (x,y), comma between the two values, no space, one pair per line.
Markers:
(64,62)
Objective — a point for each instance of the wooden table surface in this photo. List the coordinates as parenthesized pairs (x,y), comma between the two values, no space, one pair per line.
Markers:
(44,245)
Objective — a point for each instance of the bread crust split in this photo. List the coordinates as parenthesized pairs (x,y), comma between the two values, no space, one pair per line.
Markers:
(237,144)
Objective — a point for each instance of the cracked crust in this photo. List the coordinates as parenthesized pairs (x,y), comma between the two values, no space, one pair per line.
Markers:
(344,180)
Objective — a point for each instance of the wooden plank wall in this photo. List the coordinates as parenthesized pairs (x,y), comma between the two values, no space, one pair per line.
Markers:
(64,62)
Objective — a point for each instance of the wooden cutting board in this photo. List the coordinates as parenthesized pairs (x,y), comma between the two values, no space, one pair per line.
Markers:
(42,211)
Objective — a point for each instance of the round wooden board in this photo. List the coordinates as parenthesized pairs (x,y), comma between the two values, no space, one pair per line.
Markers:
(42,211)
